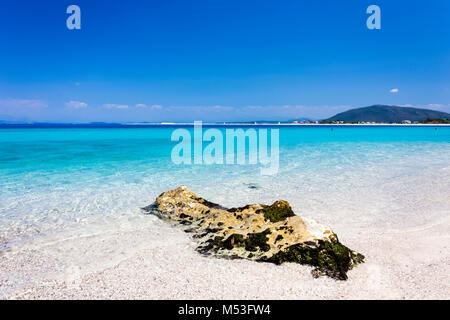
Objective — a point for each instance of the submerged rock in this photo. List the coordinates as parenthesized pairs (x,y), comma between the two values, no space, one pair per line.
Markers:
(252,185)
(257,232)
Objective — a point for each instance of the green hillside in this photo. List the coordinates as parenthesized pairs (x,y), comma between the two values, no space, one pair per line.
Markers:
(384,113)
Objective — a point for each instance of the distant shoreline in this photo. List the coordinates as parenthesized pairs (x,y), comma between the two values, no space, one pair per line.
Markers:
(231,124)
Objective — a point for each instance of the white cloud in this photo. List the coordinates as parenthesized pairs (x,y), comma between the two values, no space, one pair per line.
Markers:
(260,112)
(115,106)
(197,109)
(435,106)
(253,107)
(23,109)
(152,107)
(298,110)
(395,90)
(22,103)
(76,104)
(222,108)
(137,106)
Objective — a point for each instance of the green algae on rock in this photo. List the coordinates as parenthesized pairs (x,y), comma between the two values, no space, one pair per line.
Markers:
(266,233)
(278,211)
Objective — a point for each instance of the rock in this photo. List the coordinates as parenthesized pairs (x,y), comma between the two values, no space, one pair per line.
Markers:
(257,232)
(252,185)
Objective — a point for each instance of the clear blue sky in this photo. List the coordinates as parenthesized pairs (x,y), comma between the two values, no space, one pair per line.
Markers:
(219,60)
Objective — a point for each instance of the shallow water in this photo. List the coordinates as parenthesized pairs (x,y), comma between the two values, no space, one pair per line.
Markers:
(63,181)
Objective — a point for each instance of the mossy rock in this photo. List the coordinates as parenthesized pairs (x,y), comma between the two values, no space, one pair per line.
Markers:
(330,258)
(258,240)
(278,211)
(234,240)
(252,242)
(270,233)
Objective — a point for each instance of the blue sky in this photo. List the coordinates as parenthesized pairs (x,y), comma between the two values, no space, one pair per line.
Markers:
(219,60)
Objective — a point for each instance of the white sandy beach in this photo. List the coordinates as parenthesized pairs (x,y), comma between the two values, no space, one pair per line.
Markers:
(146,258)
(412,264)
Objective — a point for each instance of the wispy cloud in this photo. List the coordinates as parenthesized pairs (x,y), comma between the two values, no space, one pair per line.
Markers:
(435,106)
(155,112)
(24,109)
(76,104)
(202,109)
(395,90)
(22,103)
(152,107)
(115,106)
(295,111)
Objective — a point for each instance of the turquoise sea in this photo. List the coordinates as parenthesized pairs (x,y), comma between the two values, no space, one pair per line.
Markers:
(56,180)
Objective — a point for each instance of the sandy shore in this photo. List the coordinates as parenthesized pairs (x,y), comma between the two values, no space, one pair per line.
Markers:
(408,264)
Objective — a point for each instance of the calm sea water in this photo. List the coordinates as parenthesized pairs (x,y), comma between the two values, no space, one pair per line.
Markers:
(53,180)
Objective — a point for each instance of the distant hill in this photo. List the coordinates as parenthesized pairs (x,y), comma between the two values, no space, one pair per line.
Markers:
(384,113)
